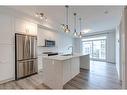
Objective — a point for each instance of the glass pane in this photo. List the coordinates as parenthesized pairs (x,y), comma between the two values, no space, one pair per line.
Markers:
(87,48)
(103,49)
(99,49)
(94,38)
(95,47)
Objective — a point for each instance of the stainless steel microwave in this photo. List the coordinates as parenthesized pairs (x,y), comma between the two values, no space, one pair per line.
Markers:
(49,43)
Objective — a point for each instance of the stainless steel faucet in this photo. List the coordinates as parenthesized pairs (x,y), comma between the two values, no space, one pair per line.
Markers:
(71,48)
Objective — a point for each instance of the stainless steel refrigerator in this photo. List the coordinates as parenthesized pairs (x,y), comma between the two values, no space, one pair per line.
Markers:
(25,55)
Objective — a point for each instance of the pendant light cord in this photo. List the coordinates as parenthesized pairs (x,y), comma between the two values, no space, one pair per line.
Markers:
(74,22)
(67,14)
(80,23)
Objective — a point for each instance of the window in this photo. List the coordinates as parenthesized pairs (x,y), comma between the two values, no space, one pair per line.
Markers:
(87,48)
(96,47)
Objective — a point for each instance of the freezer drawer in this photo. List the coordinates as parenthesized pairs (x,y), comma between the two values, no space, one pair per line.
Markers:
(26,68)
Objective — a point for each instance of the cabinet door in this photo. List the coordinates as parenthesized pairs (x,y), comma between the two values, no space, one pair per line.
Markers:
(24,26)
(66,71)
(52,73)
(75,66)
(41,37)
(40,63)
(48,72)
(6,29)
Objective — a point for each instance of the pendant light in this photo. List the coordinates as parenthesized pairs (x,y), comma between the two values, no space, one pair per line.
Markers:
(80,33)
(75,33)
(66,26)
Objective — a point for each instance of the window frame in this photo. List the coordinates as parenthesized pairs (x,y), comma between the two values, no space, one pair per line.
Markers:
(92,48)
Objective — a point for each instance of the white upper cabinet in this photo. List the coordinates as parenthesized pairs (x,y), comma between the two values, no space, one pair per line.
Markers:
(43,34)
(41,37)
(26,27)
(5,29)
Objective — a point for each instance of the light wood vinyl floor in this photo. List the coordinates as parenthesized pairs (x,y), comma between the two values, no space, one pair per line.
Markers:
(102,75)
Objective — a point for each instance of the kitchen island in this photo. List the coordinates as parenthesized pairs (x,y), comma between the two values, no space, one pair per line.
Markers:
(59,69)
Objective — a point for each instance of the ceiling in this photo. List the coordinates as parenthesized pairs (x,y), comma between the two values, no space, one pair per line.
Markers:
(95,18)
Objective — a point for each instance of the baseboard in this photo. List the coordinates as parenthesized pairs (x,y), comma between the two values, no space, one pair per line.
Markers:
(11,79)
(7,80)
(103,61)
(110,62)
(85,68)
(124,85)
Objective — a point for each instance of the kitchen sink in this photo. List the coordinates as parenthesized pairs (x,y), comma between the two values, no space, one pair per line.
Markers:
(67,55)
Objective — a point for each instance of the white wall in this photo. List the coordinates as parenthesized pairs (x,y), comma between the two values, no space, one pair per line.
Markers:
(110,46)
(118,51)
(6,48)
(123,49)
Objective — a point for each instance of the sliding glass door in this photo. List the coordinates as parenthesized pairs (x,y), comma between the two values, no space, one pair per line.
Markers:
(96,47)
(87,48)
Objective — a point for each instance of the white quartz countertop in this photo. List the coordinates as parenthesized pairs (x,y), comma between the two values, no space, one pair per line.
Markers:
(61,57)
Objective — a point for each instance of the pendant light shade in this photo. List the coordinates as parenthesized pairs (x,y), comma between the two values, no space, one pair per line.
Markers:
(75,32)
(66,26)
(80,34)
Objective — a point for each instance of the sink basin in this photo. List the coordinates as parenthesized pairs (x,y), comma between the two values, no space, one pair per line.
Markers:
(67,55)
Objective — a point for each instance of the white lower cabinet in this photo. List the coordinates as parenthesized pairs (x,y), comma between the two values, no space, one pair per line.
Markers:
(52,73)
(57,73)
(66,71)
(40,63)
(75,65)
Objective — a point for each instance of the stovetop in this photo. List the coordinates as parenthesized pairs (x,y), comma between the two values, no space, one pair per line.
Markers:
(50,53)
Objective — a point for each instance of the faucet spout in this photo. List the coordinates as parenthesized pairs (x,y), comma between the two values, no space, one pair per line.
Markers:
(71,48)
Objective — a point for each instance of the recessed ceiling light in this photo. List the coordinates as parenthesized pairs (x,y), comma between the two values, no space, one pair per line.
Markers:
(106,12)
